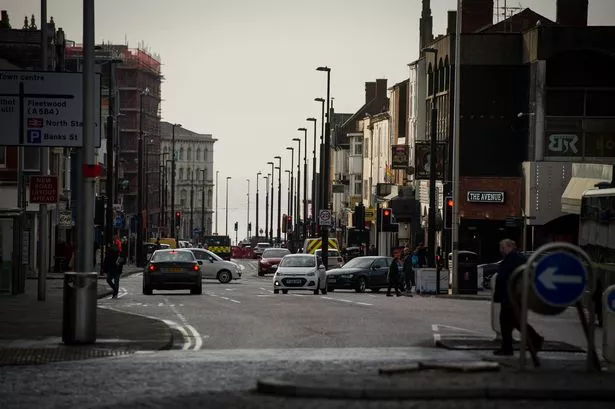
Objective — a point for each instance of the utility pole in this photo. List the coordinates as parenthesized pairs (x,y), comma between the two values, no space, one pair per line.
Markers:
(326,168)
(203,205)
(248,221)
(312,229)
(258,175)
(272,198)
(217,173)
(279,235)
(431,243)
(44,152)
(191,235)
(227,179)
(267,178)
(318,182)
(173,167)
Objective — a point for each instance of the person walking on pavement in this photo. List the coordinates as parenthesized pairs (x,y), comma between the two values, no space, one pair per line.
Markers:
(112,269)
(509,320)
(408,271)
(394,271)
(421,253)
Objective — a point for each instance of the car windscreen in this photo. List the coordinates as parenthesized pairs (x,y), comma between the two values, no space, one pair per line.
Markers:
(275,253)
(263,245)
(306,261)
(359,263)
(172,256)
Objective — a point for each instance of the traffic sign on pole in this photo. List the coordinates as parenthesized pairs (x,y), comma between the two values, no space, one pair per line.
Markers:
(324,218)
(560,279)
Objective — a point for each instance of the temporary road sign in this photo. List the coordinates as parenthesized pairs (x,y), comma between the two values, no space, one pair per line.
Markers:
(45,109)
(560,279)
(324,217)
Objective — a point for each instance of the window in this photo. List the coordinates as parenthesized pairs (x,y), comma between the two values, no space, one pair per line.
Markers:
(380,263)
(189,156)
(209,196)
(31,159)
(181,174)
(358,147)
(198,153)
(205,154)
(565,103)
(183,198)
(600,103)
(198,172)
(2,156)
(181,153)
(358,188)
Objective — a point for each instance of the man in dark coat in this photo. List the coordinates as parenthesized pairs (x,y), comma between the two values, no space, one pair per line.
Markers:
(112,268)
(408,271)
(508,319)
(394,272)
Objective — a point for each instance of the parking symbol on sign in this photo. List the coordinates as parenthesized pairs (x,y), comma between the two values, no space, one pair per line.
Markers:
(35,136)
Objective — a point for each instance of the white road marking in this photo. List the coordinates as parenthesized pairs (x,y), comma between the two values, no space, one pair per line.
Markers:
(225,298)
(264,295)
(194,334)
(187,338)
(363,303)
(235,301)
(229,289)
(346,301)
(123,292)
(198,340)
(452,328)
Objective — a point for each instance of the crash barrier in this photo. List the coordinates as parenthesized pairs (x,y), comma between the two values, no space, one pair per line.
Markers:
(608,324)
(241,252)
(554,278)
(426,279)
(495,310)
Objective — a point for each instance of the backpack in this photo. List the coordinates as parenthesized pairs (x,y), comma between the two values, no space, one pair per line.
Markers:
(415,260)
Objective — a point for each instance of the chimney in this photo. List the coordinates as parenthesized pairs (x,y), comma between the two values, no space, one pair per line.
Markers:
(451,27)
(370,91)
(476,14)
(381,88)
(425,26)
(572,12)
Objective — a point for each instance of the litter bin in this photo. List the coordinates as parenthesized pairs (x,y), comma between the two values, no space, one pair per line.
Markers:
(467,278)
(79,308)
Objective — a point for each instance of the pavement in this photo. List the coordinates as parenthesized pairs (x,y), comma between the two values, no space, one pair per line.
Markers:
(31,330)
(239,345)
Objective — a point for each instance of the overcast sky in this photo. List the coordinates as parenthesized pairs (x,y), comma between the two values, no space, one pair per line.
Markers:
(244,70)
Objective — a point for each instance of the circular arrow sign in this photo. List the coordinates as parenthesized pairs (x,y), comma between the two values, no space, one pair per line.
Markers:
(560,279)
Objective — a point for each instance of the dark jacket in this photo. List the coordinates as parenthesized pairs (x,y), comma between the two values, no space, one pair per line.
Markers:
(422,255)
(507,267)
(110,263)
(408,264)
(393,270)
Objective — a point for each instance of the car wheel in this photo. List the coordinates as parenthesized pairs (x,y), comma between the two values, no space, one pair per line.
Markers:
(361,285)
(276,291)
(284,291)
(225,276)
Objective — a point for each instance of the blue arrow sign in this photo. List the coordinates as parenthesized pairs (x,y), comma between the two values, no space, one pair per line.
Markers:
(118,222)
(560,279)
(610,301)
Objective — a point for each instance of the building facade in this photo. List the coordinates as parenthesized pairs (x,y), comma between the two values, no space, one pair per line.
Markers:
(194,180)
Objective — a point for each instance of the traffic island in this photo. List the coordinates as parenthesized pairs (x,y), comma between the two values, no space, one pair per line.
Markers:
(414,383)
(474,344)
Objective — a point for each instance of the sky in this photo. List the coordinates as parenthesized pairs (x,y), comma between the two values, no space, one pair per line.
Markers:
(244,70)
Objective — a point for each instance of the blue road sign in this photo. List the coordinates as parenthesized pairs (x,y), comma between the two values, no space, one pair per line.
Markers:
(610,301)
(119,222)
(560,279)
(35,136)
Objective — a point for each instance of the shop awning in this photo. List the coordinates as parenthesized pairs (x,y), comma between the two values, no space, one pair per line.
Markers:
(571,199)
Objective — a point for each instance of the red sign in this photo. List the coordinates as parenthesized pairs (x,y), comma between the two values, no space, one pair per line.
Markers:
(43,189)
(35,122)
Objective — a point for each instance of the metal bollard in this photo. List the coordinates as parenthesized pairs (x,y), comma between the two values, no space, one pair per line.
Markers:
(495,310)
(608,326)
(79,308)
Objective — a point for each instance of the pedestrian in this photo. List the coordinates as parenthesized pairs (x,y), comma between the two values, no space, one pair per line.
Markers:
(421,253)
(408,271)
(112,268)
(509,320)
(394,272)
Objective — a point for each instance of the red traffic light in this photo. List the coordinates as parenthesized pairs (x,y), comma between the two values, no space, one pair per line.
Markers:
(177,214)
(450,202)
(387,212)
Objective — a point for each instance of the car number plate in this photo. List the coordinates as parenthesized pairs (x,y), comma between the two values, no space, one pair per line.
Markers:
(174,270)
(294,281)
(331,280)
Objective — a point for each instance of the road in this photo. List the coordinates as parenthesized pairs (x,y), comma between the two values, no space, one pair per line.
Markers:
(236,333)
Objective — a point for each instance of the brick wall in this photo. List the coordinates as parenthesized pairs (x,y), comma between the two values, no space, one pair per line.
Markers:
(512,188)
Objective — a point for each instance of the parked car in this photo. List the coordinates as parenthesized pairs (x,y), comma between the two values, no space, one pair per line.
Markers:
(360,273)
(271,258)
(215,267)
(173,270)
(300,272)
(335,259)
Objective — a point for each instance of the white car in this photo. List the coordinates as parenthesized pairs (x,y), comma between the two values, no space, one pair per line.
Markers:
(259,248)
(300,272)
(215,267)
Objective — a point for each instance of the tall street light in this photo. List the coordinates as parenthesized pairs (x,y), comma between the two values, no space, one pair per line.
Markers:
(320,163)
(431,239)
(279,167)
(173,167)
(267,179)
(290,186)
(227,179)
(141,191)
(298,190)
(313,197)
(305,181)
(272,197)
(248,221)
(326,166)
(217,173)
(204,171)
(258,175)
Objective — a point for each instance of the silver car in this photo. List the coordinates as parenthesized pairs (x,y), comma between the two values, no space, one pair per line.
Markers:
(300,272)
(214,267)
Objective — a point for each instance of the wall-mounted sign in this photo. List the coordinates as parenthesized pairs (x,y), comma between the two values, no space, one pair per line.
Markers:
(400,156)
(485,197)
(563,144)
(423,160)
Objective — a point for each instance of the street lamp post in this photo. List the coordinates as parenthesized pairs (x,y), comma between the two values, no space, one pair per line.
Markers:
(163,189)
(204,170)
(227,179)
(289,206)
(140,191)
(279,167)
(431,240)
(305,181)
(272,197)
(173,166)
(326,166)
(217,173)
(290,186)
(191,234)
(321,149)
(248,221)
(313,197)
(267,179)
(298,189)
(258,175)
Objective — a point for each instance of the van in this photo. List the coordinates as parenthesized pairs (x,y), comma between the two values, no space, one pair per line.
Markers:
(311,245)
(171,242)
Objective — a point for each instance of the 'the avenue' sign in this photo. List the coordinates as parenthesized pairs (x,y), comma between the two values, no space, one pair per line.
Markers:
(485,197)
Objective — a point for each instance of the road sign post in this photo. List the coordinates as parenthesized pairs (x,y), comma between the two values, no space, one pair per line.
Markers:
(324,218)
(495,310)
(608,325)
(558,275)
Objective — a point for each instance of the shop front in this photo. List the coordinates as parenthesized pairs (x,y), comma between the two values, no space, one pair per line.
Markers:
(487,210)
(13,256)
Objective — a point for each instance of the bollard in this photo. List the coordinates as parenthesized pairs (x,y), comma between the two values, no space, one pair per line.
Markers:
(608,324)
(79,308)
(495,310)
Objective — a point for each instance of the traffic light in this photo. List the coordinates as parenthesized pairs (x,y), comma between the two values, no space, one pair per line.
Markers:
(448,213)
(359,216)
(289,223)
(250,226)
(386,221)
(284,223)
(236,226)
(178,219)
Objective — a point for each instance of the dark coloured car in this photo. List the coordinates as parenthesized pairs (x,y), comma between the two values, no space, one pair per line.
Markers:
(268,263)
(360,274)
(173,270)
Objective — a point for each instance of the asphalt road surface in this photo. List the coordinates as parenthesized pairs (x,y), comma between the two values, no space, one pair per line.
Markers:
(235,333)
